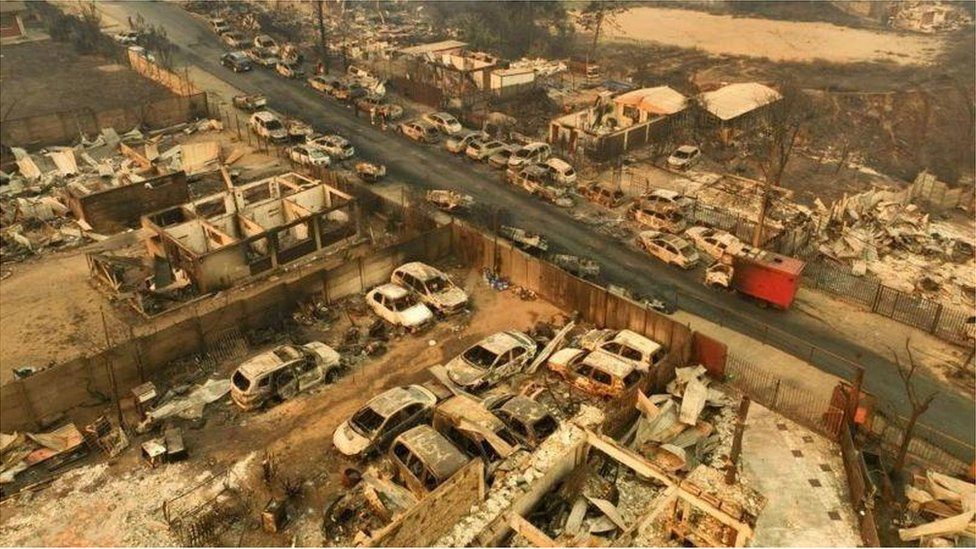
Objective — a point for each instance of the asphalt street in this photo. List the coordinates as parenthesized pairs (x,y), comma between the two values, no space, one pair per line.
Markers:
(428,167)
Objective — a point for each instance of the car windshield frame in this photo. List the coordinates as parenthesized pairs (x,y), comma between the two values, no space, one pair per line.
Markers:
(476,355)
(356,422)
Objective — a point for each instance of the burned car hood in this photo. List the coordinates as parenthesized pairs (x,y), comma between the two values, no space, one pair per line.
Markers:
(450,297)
(348,441)
(463,374)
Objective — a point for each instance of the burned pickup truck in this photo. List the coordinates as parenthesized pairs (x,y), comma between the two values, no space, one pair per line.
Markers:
(250,103)
(528,241)
(282,372)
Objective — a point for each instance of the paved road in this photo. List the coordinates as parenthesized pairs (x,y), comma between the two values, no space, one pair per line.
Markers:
(427,168)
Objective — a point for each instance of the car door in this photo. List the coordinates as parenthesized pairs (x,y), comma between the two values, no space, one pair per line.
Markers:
(285,383)
(309,371)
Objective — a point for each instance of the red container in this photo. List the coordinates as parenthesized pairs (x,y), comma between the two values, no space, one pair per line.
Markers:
(768,276)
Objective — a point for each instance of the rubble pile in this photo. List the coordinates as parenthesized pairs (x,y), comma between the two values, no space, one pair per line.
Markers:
(672,431)
(34,201)
(504,493)
(881,233)
(941,510)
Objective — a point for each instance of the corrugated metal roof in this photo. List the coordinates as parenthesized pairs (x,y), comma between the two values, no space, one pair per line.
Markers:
(658,100)
(734,100)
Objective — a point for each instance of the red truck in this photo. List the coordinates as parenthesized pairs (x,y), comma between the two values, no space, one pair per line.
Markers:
(767,276)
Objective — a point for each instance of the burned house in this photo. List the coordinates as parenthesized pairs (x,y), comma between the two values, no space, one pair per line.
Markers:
(616,124)
(736,108)
(110,209)
(431,73)
(222,239)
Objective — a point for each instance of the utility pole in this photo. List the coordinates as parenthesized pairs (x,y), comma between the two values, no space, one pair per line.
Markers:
(323,49)
(740,427)
(764,203)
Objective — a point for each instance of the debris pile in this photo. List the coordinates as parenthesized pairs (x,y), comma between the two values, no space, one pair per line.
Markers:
(881,233)
(930,17)
(672,431)
(21,451)
(571,434)
(941,510)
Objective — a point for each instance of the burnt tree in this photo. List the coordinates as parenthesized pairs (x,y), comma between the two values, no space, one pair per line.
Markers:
(919,405)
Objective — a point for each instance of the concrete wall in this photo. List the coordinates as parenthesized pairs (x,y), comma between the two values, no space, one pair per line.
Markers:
(64,127)
(437,513)
(119,208)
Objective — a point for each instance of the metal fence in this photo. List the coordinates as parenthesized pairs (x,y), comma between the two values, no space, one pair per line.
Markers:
(928,447)
(946,323)
(779,393)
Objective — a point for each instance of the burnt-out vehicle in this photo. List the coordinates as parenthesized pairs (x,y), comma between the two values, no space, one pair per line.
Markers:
(423,459)
(382,418)
(476,431)
(283,372)
(527,419)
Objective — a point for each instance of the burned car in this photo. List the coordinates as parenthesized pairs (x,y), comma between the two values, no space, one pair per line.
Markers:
(669,248)
(423,459)
(494,358)
(625,344)
(473,429)
(385,416)
(595,372)
(528,420)
(399,307)
(282,372)
(449,201)
(434,287)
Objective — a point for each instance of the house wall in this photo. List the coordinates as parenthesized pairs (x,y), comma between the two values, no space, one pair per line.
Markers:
(119,208)
(190,235)
(221,268)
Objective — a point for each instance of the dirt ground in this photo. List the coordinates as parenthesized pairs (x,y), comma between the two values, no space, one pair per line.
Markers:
(775,40)
(50,313)
(297,432)
(45,77)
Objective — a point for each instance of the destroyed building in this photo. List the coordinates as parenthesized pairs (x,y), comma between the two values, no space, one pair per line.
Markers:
(616,124)
(220,240)
(736,108)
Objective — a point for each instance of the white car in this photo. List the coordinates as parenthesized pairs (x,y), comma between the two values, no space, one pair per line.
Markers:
(434,287)
(458,143)
(626,345)
(127,38)
(561,171)
(263,57)
(715,242)
(383,418)
(669,248)
(444,122)
(684,157)
(491,360)
(533,153)
(322,84)
(399,307)
(482,150)
(282,372)
(336,146)
(307,155)
(268,126)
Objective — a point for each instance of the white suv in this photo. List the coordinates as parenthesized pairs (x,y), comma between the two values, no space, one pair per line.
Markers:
(268,126)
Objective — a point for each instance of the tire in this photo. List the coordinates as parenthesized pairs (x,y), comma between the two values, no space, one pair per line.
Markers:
(332,376)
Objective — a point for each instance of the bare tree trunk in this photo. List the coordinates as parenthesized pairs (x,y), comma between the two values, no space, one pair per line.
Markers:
(906,438)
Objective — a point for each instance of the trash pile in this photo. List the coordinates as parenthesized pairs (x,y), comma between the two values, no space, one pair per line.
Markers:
(881,233)
(941,510)
(691,424)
